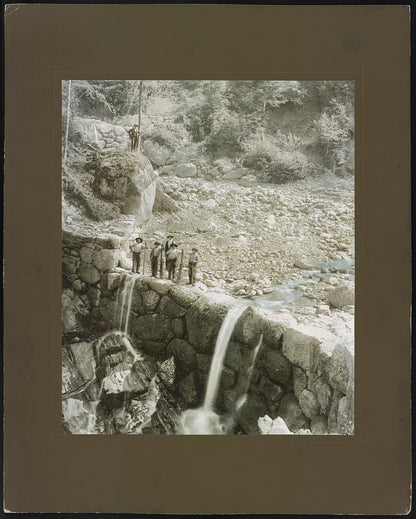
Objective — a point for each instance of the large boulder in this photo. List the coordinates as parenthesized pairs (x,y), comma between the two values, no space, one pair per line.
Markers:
(127,180)
(151,327)
(275,366)
(184,355)
(309,404)
(186,170)
(106,259)
(89,274)
(73,308)
(341,296)
(155,152)
(341,367)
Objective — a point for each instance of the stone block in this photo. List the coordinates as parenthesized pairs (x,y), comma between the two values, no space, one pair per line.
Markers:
(161,286)
(89,274)
(300,349)
(319,425)
(184,296)
(233,358)
(187,391)
(106,259)
(184,354)
(151,327)
(86,254)
(203,322)
(150,300)
(170,308)
(309,404)
(250,412)
(290,411)
(300,380)
(275,366)
(341,367)
(178,327)
(323,393)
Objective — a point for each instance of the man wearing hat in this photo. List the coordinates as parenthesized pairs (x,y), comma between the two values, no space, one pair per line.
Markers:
(155,254)
(134,137)
(192,263)
(168,245)
(171,257)
(136,248)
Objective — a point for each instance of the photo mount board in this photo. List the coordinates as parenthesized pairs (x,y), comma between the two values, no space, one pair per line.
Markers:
(45,471)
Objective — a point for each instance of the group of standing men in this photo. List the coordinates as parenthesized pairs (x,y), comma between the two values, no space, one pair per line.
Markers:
(171,256)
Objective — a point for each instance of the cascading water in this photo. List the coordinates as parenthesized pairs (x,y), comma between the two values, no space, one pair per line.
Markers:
(204,420)
(124,307)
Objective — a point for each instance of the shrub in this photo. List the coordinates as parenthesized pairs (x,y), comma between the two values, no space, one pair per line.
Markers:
(278,157)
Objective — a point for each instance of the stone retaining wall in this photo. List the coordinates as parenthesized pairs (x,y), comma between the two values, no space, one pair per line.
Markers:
(300,374)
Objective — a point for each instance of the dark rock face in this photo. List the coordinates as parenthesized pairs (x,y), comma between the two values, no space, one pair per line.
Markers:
(250,412)
(121,177)
(291,413)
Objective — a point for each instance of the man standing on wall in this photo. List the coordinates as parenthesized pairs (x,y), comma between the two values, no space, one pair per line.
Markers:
(192,264)
(134,137)
(155,256)
(168,245)
(136,248)
(171,257)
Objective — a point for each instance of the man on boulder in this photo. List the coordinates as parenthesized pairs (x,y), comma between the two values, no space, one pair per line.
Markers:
(136,248)
(134,137)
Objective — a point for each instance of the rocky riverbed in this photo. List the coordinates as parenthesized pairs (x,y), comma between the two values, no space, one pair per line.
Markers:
(254,238)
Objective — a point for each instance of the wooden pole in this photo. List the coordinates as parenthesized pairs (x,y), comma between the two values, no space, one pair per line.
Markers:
(144,259)
(180,269)
(162,264)
(67,121)
(140,113)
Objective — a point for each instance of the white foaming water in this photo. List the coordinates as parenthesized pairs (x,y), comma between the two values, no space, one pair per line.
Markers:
(203,420)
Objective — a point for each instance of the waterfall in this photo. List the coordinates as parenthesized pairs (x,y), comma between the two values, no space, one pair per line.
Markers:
(204,420)
(223,339)
(123,309)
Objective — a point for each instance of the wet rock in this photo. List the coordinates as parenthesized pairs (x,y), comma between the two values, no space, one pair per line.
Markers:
(178,327)
(203,365)
(73,308)
(184,355)
(187,392)
(171,308)
(227,379)
(250,412)
(275,365)
(323,393)
(93,295)
(291,413)
(300,380)
(151,327)
(248,328)
(154,348)
(319,425)
(233,358)
(309,404)
(89,274)
(203,322)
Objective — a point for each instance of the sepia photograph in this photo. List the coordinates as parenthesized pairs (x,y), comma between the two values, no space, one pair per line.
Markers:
(208,257)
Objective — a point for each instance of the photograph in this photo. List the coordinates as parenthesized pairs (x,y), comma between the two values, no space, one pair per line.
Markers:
(208,257)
